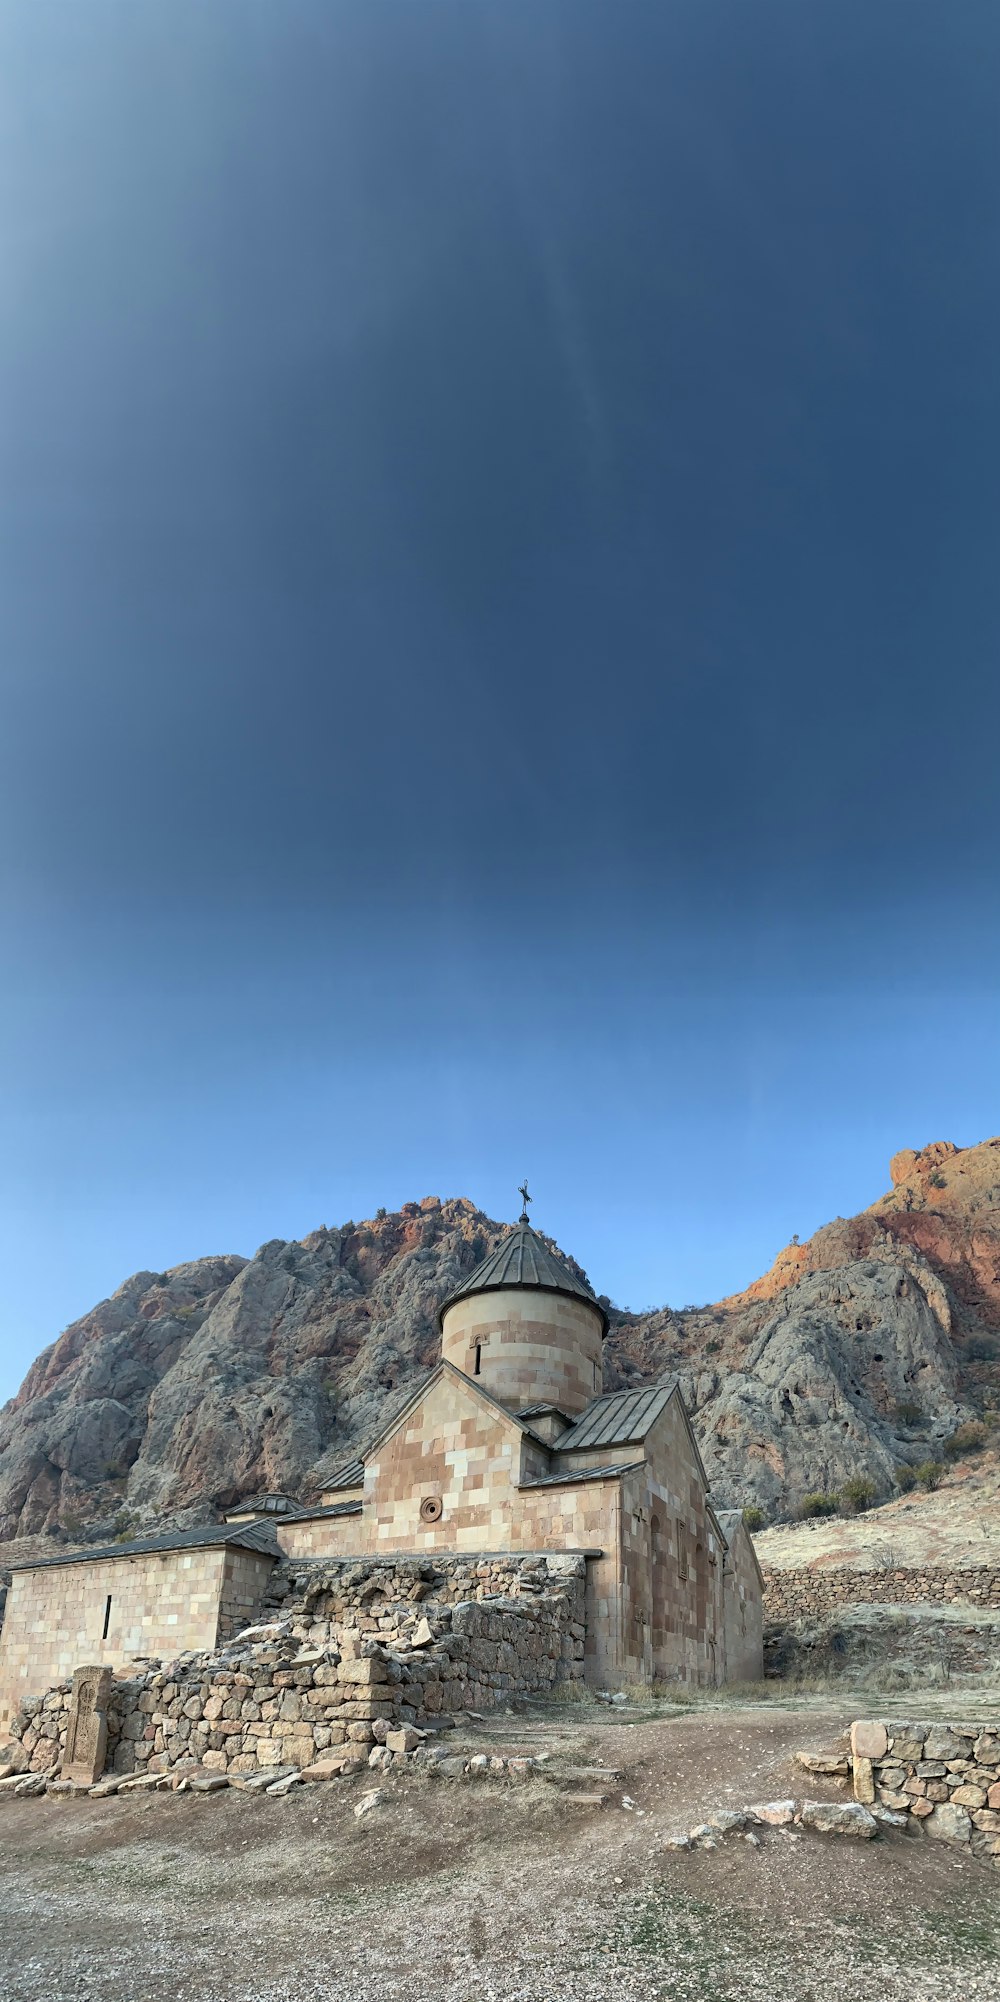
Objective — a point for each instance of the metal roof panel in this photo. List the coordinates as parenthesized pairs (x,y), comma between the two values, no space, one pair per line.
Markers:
(246,1536)
(616,1419)
(350,1475)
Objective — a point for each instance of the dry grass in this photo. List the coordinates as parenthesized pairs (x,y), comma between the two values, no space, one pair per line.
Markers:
(957,1525)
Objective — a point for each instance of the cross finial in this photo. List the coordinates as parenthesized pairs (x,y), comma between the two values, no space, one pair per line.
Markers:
(525,1199)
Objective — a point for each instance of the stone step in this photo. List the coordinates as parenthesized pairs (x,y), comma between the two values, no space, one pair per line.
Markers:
(579,1775)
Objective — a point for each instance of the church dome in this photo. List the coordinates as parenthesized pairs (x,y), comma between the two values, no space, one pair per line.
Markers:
(522,1260)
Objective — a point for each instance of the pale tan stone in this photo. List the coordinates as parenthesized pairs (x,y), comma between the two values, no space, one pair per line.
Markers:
(329,1768)
(869,1740)
(864,1780)
(362,1672)
(406,1739)
(969,1796)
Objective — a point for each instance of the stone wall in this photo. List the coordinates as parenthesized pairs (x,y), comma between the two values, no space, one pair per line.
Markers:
(454,1451)
(906,1647)
(676,1560)
(361,1648)
(534,1347)
(56,1615)
(946,1776)
(790,1595)
(743,1606)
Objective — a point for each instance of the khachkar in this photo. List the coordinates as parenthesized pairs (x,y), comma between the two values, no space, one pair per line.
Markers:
(87,1732)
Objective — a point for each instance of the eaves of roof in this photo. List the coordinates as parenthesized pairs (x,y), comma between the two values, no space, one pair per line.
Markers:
(350,1475)
(330,1509)
(573,1476)
(258,1536)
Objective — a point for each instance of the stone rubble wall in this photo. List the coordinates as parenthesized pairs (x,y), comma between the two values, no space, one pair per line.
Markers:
(914,1647)
(360,1648)
(946,1776)
(798,1594)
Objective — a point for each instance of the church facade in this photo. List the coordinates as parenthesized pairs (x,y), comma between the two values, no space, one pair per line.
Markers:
(510,1445)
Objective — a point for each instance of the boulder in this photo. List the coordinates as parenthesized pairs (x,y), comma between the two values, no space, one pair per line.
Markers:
(948,1823)
(946,1745)
(283,1786)
(406,1739)
(330,1767)
(257,1782)
(839,1817)
(834,1763)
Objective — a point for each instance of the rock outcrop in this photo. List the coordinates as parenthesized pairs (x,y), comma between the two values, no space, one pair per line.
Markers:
(191,1389)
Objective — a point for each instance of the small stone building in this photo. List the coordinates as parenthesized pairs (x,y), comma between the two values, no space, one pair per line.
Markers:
(509,1446)
(160,1595)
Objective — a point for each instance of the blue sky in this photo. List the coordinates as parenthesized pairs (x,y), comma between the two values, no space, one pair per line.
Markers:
(498,623)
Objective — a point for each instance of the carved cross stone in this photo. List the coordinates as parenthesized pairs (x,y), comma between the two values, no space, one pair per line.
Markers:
(87,1732)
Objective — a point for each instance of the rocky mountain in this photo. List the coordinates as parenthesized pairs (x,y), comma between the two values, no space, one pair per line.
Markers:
(193,1388)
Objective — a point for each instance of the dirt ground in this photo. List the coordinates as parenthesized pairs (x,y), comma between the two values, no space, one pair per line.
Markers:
(487,1891)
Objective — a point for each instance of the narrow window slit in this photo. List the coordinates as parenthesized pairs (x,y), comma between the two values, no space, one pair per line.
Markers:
(107,1617)
(479,1359)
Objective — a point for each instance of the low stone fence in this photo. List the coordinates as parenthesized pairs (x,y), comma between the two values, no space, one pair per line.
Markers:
(802,1593)
(363,1648)
(946,1776)
(905,1647)
(392,1597)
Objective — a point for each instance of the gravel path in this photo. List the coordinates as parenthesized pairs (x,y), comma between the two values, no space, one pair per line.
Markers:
(481,1892)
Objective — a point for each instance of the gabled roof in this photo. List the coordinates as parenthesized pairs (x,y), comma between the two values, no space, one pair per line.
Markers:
(322,1509)
(523,1261)
(245,1536)
(469,1383)
(616,1419)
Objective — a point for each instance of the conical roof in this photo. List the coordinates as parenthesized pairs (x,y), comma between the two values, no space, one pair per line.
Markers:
(523,1260)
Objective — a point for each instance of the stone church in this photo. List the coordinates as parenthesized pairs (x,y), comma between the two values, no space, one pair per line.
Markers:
(510,1446)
